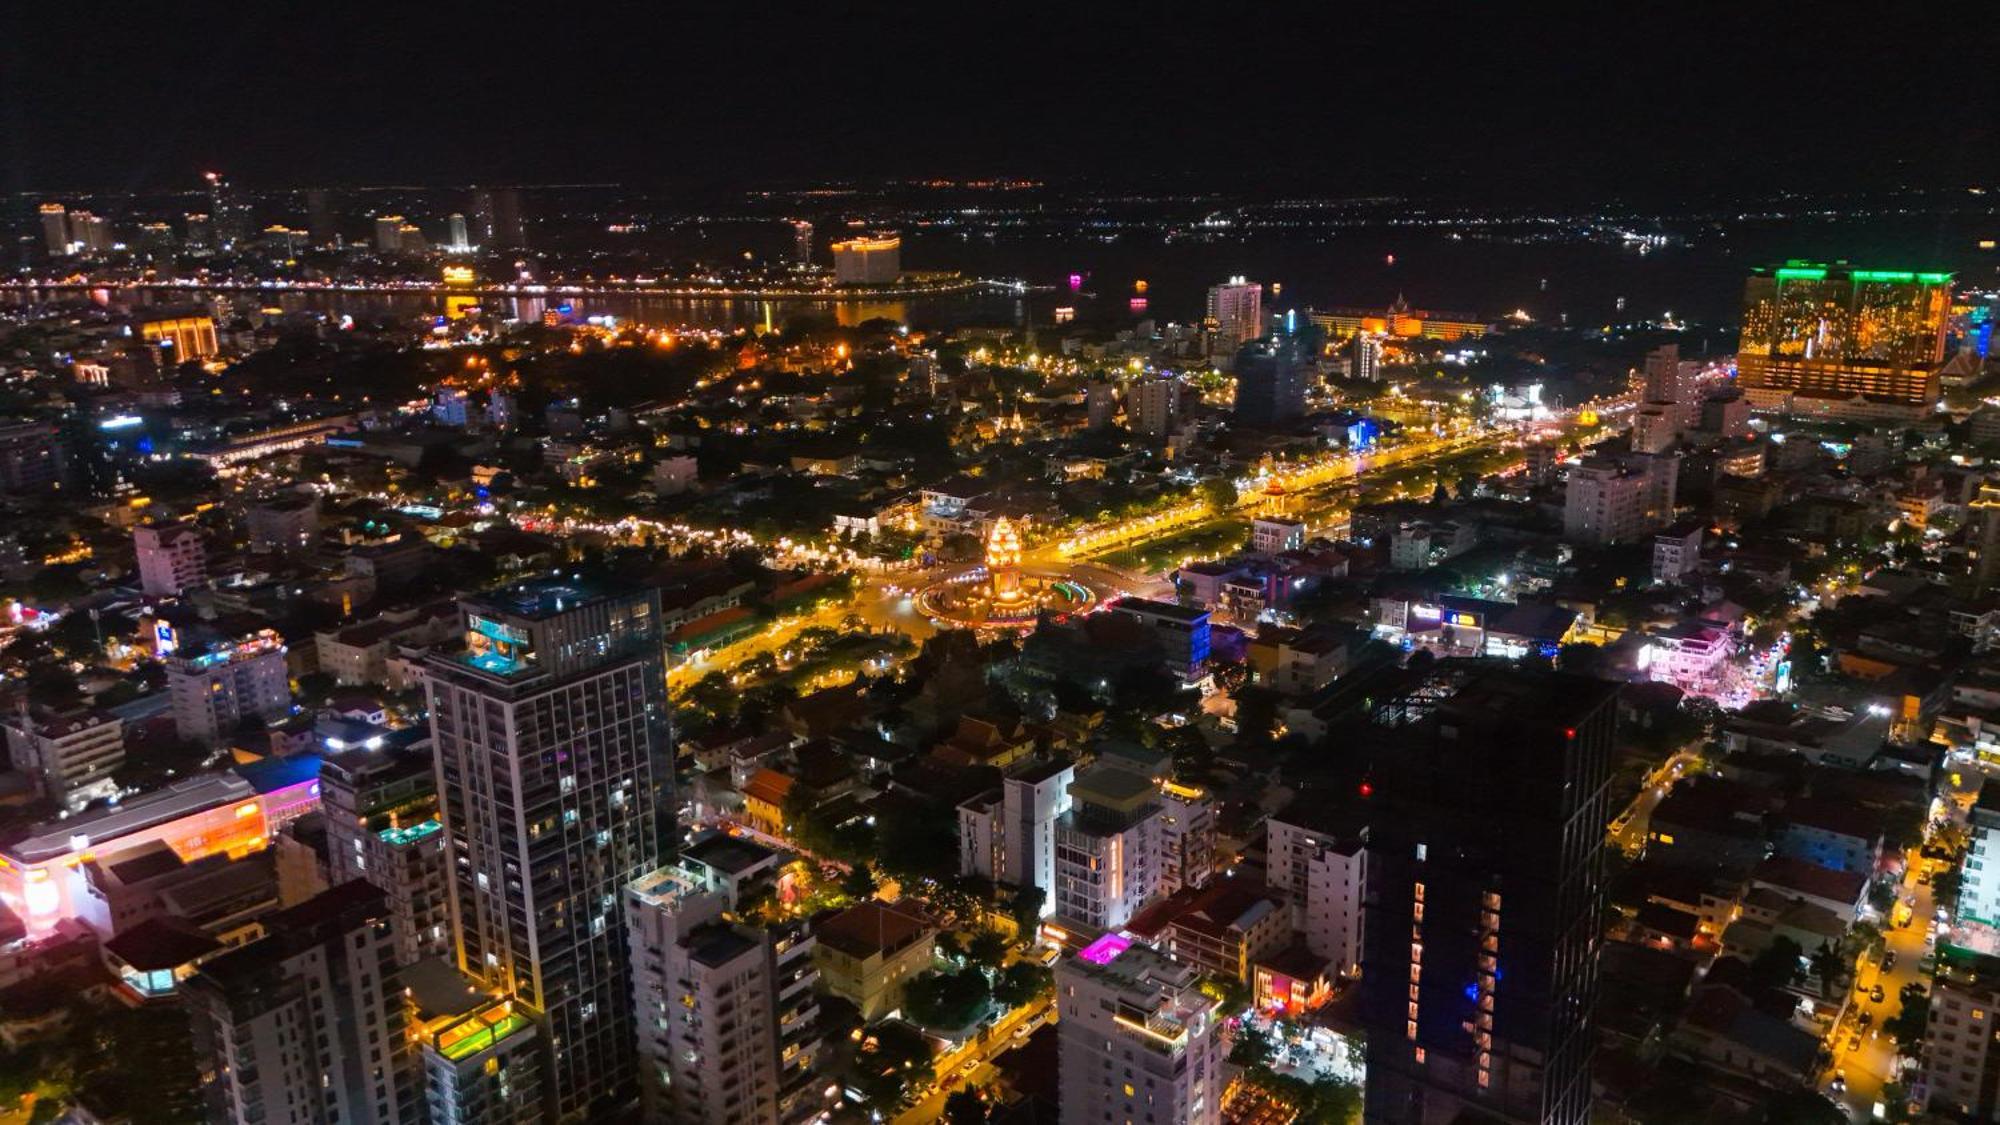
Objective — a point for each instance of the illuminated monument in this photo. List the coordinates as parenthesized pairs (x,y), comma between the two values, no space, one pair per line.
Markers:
(1000,594)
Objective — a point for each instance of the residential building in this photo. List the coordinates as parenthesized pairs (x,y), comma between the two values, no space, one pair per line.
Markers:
(1109,848)
(71,754)
(874,260)
(481,1058)
(1271,378)
(1676,554)
(1616,500)
(1272,536)
(1961,1062)
(1979,886)
(1183,633)
(1843,342)
(1138,1038)
(1487,800)
(283,525)
(1153,405)
(382,825)
(726,1017)
(868,952)
(1235,314)
(307,1024)
(172,558)
(1317,860)
(555,793)
(215,692)
(1367,357)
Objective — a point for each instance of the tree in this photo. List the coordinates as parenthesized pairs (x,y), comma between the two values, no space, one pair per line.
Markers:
(1253,1048)
(1829,967)
(1022,983)
(1800,1107)
(987,948)
(1219,493)
(859,882)
(1909,1024)
(1778,965)
(1026,907)
(965,1107)
(947,1000)
(1336,1101)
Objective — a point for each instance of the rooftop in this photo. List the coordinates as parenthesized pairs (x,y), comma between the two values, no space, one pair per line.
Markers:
(730,855)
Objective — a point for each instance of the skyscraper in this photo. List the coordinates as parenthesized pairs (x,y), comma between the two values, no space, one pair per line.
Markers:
(873,260)
(307,1023)
(389,234)
(319,218)
(459,242)
(496,219)
(229,209)
(1832,340)
(1271,377)
(1235,313)
(550,735)
(1487,805)
(55,229)
(1367,357)
(802,242)
(1138,1039)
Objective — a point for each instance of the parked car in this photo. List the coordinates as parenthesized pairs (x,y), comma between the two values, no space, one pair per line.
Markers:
(1875,995)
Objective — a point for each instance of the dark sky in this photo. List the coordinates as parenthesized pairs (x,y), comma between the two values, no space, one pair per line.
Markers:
(1639,100)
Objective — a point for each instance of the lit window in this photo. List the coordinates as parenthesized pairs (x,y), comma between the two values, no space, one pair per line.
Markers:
(1420,1056)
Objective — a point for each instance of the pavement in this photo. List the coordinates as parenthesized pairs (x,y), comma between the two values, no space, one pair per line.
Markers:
(971,1062)
(1628,829)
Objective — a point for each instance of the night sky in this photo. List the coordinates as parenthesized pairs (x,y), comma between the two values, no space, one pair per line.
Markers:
(1655,101)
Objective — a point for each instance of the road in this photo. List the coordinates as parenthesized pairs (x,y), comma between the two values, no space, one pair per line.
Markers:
(1628,829)
(972,1061)
(1870,1067)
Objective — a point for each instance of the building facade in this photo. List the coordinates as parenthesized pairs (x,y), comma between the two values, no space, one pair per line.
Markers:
(1138,1039)
(555,793)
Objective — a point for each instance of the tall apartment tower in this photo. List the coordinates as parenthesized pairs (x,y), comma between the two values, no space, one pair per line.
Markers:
(382,826)
(1318,861)
(460,243)
(213,692)
(1236,313)
(496,219)
(1487,804)
(172,558)
(1031,801)
(1153,405)
(55,229)
(555,791)
(1271,379)
(307,1023)
(1367,357)
(727,1021)
(1126,838)
(1832,340)
(1138,1039)
(802,242)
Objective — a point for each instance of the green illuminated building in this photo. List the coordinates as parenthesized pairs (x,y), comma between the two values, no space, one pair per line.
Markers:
(1830,339)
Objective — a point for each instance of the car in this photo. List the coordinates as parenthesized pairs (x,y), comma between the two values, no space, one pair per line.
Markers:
(1924,880)
(1866,1018)
(1854,1042)
(1875,995)
(1839,1081)
(1888,960)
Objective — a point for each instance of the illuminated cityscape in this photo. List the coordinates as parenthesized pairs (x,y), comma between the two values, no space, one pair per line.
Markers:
(992,567)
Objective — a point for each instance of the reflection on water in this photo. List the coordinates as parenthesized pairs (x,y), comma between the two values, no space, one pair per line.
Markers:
(925,312)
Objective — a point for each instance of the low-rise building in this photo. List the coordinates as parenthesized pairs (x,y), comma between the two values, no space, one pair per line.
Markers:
(868,952)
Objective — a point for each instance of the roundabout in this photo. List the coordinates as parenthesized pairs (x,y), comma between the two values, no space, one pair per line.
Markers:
(1002,594)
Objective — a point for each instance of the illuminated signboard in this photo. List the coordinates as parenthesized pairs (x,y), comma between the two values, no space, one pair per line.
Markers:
(1466,619)
(164,641)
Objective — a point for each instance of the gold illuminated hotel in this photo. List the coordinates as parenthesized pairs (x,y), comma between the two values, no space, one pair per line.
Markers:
(1843,342)
(1399,320)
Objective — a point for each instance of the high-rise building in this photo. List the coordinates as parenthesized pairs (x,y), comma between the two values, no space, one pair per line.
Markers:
(282,525)
(1271,378)
(1235,314)
(71,754)
(230,210)
(1126,838)
(1317,860)
(200,230)
(1138,1038)
(31,457)
(1613,499)
(382,825)
(727,1021)
(1031,801)
(89,234)
(556,792)
(496,219)
(172,558)
(1829,339)
(1153,405)
(156,239)
(459,242)
(1367,357)
(1985,519)
(1100,403)
(215,691)
(872,260)
(802,242)
(55,229)
(389,234)
(410,239)
(1664,381)
(307,1023)
(1487,800)
(482,1058)
(319,218)
(1961,1065)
